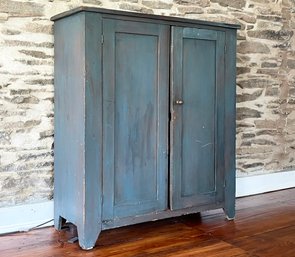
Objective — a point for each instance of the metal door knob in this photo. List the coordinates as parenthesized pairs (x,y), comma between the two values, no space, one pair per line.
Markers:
(179,102)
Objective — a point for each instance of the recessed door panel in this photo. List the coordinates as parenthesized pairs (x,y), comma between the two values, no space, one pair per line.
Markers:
(135,102)
(197,114)
(135,118)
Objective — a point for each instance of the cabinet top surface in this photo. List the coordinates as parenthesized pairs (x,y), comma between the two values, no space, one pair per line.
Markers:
(168,19)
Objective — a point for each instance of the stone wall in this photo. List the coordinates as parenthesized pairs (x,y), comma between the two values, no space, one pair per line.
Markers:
(265,88)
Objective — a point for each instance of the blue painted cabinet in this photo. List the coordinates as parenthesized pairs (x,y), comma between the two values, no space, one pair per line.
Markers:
(144,118)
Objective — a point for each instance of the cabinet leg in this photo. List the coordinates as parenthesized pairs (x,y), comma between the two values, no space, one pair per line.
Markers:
(88,235)
(59,222)
(230,213)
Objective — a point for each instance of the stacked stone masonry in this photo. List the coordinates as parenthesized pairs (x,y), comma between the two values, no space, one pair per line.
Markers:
(265,85)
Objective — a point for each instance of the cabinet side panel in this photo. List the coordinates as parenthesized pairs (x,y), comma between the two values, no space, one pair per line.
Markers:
(69,117)
(230,121)
(93,128)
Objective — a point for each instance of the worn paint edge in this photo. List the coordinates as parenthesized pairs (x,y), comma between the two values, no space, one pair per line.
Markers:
(258,184)
(24,217)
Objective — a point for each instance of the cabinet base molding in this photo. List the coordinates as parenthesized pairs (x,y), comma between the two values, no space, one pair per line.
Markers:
(156,216)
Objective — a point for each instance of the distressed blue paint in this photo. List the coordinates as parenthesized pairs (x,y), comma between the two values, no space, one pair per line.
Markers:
(90,227)
(198,126)
(136,119)
(135,93)
(69,158)
(198,81)
(77,130)
(220,112)
(230,121)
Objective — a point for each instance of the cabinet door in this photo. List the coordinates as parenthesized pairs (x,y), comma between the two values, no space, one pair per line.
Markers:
(197,124)
(135,122)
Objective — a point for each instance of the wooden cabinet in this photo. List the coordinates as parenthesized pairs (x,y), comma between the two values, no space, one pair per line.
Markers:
(144,118)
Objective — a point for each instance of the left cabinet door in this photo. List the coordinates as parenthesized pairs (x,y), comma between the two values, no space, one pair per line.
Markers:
(135,120)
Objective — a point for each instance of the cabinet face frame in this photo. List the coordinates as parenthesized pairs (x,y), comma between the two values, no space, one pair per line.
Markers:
(78,195)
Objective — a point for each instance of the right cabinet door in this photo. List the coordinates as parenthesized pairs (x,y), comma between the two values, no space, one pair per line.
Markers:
(197,117)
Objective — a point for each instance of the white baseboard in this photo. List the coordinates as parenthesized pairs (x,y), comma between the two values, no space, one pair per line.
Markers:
(24,217)
(258,184)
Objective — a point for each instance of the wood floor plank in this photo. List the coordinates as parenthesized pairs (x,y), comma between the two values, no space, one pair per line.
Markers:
(264,227)
(269,244)
(254,223)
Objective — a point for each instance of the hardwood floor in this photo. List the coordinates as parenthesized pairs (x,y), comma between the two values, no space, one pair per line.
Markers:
(264,227)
